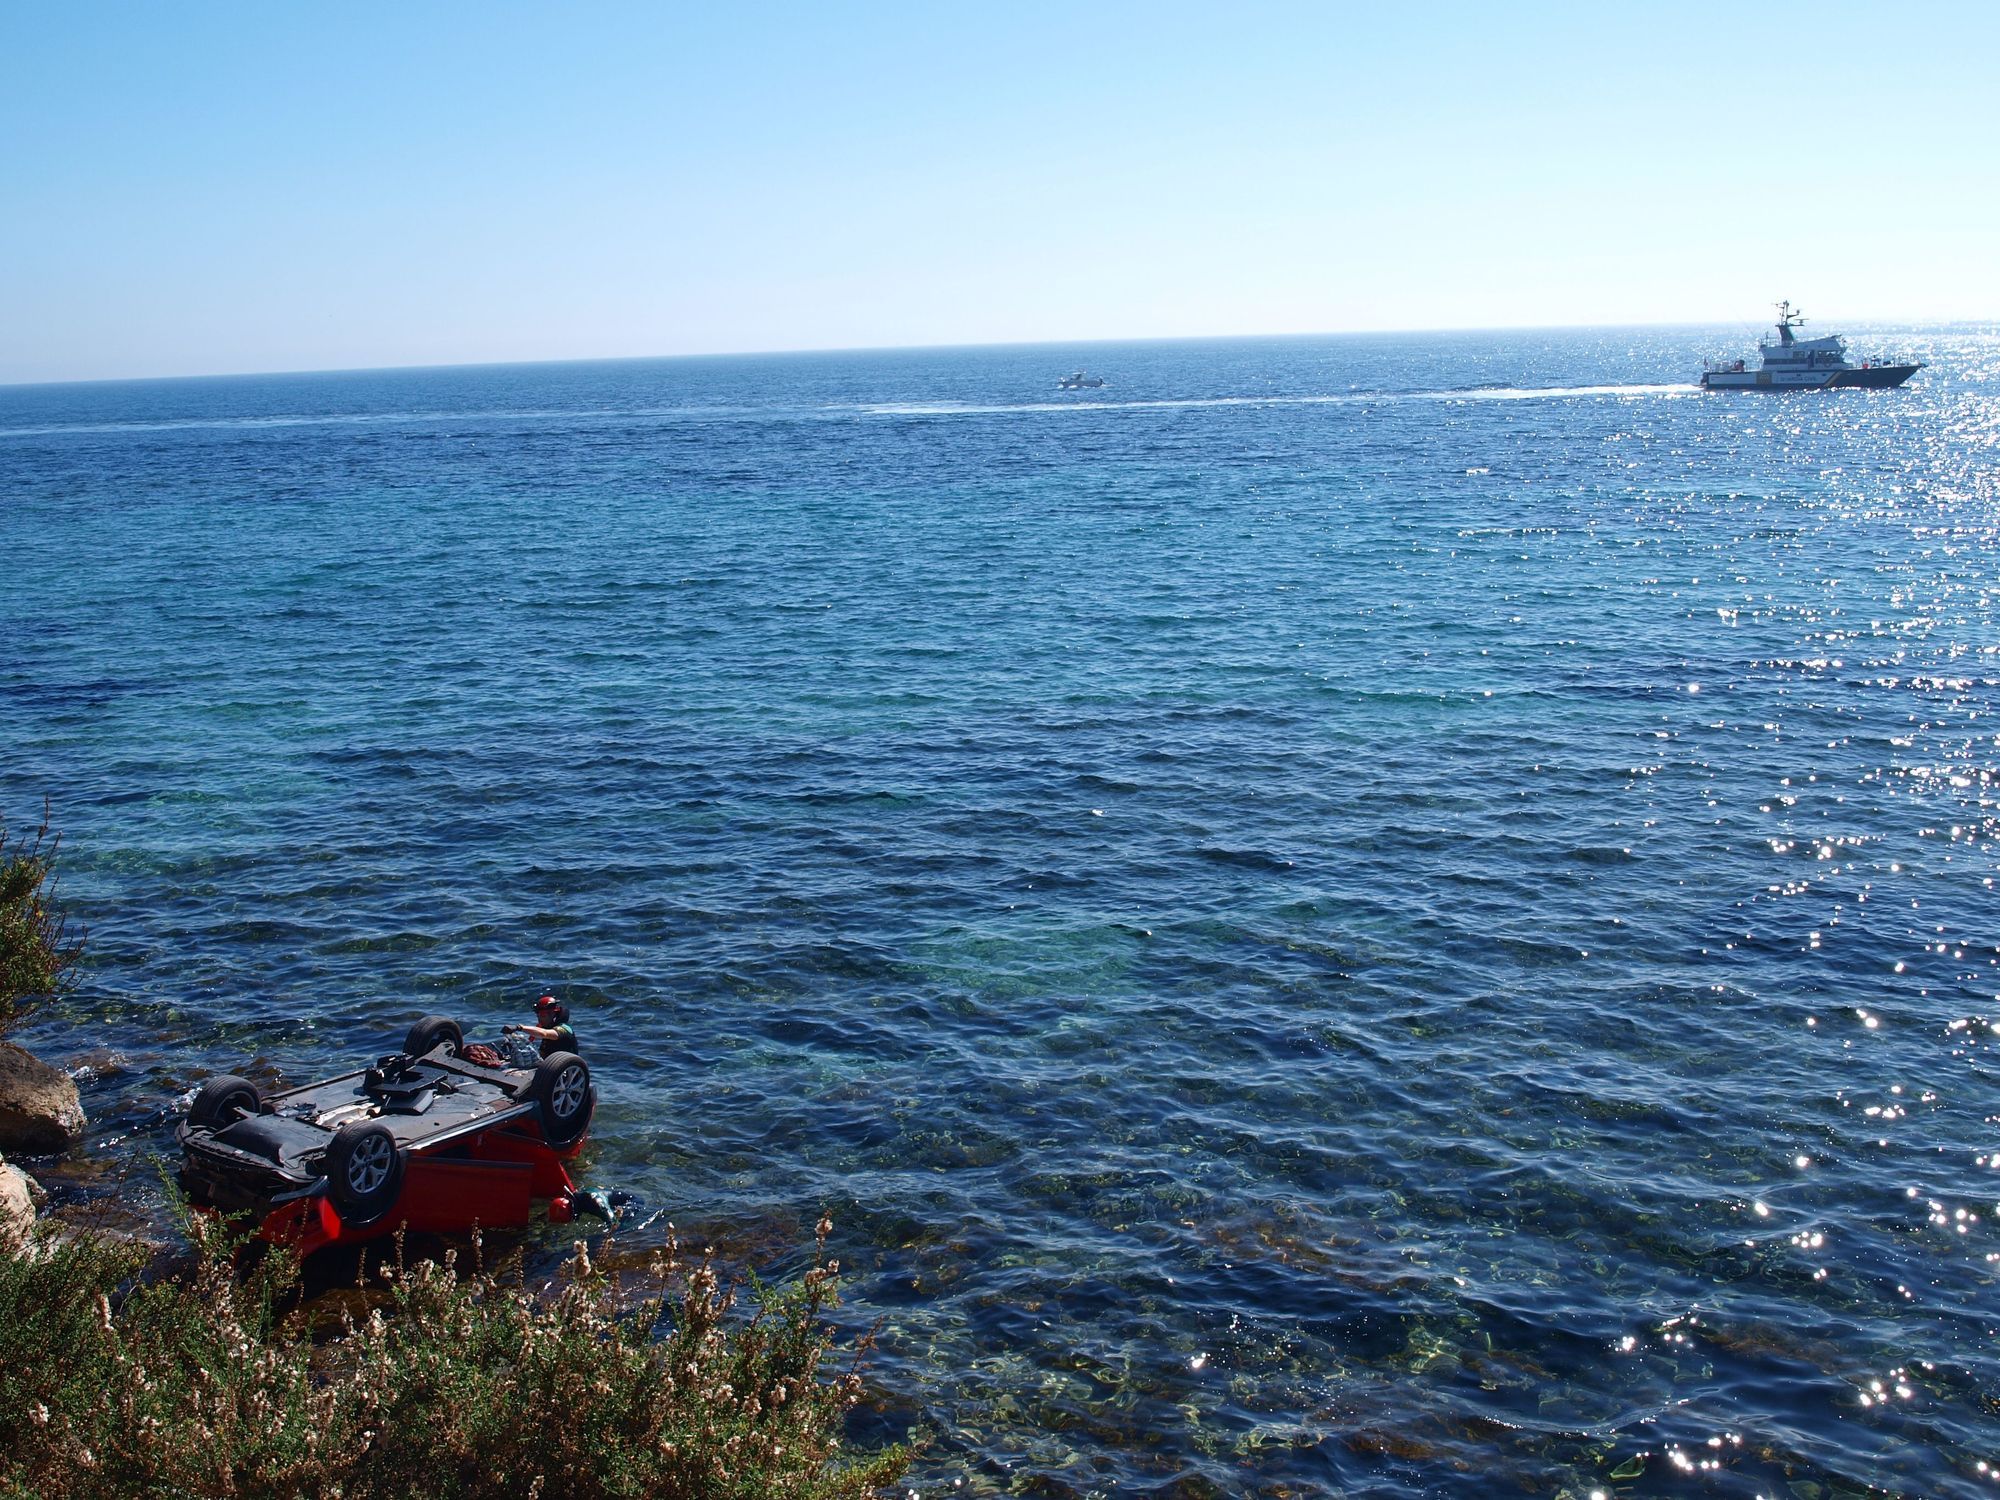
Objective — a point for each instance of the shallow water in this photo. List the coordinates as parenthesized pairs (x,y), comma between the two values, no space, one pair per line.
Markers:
(1400,916)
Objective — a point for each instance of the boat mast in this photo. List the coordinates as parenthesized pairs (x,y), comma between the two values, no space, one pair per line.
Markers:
(1786,318)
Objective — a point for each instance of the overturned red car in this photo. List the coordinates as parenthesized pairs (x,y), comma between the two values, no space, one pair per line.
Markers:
(426,1140)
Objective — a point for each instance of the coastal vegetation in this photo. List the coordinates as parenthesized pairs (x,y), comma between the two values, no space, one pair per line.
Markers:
(36,954)
(217,1381)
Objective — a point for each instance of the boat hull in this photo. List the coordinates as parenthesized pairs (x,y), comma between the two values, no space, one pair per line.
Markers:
(1862,377)
(1873,377)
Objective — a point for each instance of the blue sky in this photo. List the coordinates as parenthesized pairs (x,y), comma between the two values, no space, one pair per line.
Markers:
(193,188)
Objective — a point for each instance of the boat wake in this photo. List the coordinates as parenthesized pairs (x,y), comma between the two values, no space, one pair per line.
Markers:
(465,416)
(473,416)
(1345,398)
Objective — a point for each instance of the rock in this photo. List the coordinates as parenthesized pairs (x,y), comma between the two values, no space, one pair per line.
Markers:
(17,1205)
(100,1062)
(40,1112)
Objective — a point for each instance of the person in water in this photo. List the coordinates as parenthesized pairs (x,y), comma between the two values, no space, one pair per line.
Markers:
(551,1028)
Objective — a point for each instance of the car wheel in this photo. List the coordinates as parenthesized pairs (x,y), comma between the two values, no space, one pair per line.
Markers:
(429,1033)
(562,1091)
(364,1171)
(222,1101)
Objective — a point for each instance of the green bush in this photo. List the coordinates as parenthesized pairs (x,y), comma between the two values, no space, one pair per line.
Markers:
(201,1383)
(35,959)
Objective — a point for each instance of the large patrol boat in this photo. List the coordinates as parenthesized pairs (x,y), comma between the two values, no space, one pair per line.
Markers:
(1796,364)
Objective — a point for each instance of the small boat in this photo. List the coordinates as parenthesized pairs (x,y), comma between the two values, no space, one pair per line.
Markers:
(1076,380)
(1796,364)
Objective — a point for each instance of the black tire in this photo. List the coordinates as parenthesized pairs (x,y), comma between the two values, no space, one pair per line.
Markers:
(561,1090)
(429,1032)
(222,1101)
(364,1171)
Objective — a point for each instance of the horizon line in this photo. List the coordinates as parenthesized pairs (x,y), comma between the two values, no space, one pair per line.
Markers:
(602,359)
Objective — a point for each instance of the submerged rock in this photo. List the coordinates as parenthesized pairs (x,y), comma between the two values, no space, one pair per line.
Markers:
(40,1112)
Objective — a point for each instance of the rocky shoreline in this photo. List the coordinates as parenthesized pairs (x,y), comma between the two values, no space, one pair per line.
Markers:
(40,1115)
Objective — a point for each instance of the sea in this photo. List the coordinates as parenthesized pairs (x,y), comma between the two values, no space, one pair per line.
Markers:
(1383,915)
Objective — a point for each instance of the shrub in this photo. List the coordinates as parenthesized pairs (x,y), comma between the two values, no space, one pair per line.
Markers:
(201,1383)
(35,959)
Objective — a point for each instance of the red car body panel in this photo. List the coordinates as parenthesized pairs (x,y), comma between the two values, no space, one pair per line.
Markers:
(494,1185)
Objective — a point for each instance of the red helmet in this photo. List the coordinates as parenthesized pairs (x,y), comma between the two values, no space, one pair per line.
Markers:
(550,1008)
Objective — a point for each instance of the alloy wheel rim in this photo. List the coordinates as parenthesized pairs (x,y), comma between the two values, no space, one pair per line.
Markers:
(368,1167)
(566,1098)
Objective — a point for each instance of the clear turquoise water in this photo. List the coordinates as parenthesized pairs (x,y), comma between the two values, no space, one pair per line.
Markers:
(1398,916)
